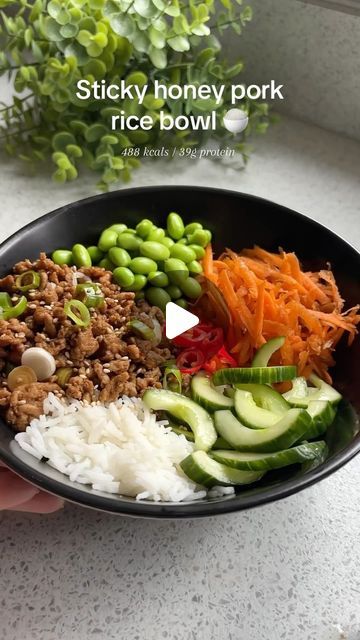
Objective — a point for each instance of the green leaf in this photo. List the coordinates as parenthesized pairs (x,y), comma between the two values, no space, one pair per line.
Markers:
(95,68)
(110,7)
(84,38)
(246,14)
(233,71)
(69,30)
(179,43)
(208,104)
(109,139)
(74,150)
(145,8)
(36,52)
(52,29)
(122,25)
(136,77)
(157,38)
(150,102)
(59,176)
(158,57)
(62,139)
(94,132)
(54,8)
(74,49)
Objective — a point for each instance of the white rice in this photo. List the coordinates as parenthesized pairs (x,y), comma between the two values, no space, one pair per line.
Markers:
(117,448)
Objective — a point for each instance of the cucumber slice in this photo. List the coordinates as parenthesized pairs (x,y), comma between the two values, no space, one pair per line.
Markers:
(263,375)
(266,461)
(322,414)
(250,414)
(300,395)
(184,409)
(202,469)
(263,355)
(266,397)
(205,394)
(326,392)
(222,444)
(282,435)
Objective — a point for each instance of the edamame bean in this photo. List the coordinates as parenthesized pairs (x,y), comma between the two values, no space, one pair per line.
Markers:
(62,256)
(199,251)
(81,256)
(95,254)
(156,234)
(142,265)
(191,288)
(119,257)
(158,279)
(191,227)
(129,241)
(107,240)
(195,267)
(182,241)
(119,227)
(201,237)
(168,242)
(144,227)
(157,297)
(154,250)
(181,302)
(183,253)
(175,226)
(105,263)
(131,231)
(123,276)
(176,270)
(174,291)
(138,284)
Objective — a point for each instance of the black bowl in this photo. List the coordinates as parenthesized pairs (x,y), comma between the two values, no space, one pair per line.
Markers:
(237,220)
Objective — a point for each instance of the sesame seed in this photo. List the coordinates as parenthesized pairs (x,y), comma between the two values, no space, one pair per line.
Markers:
(70,363)
(87,371)
(22,402)
(32,306)
(14,298)
(21,334)
(106,370)
(32,294)
(83,376)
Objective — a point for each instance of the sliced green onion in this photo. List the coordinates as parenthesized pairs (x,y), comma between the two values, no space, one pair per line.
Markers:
(90,294)
(27,280)
(14,312)
(181,431)
(142,330)
(63,375)
(77,312)
(172,379)
(5,300)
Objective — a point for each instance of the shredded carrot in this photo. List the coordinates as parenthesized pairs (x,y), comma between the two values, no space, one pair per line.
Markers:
(268,294)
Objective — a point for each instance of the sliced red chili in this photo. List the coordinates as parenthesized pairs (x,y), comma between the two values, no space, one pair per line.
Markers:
(193,337)
(212,342)
(190,361)
(226,358)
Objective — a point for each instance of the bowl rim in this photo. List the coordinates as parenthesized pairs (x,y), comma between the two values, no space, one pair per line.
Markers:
(193,509)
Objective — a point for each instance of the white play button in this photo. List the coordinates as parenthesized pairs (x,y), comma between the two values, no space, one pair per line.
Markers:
(178,320)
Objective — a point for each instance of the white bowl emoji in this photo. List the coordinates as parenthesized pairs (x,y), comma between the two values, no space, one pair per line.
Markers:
(235,120)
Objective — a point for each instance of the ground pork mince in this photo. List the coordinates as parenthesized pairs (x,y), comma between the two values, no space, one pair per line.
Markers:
(106,359)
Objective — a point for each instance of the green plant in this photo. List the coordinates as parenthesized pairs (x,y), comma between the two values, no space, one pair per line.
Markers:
(47,46)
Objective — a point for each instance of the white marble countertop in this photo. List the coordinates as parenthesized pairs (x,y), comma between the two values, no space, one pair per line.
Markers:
(288,570)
